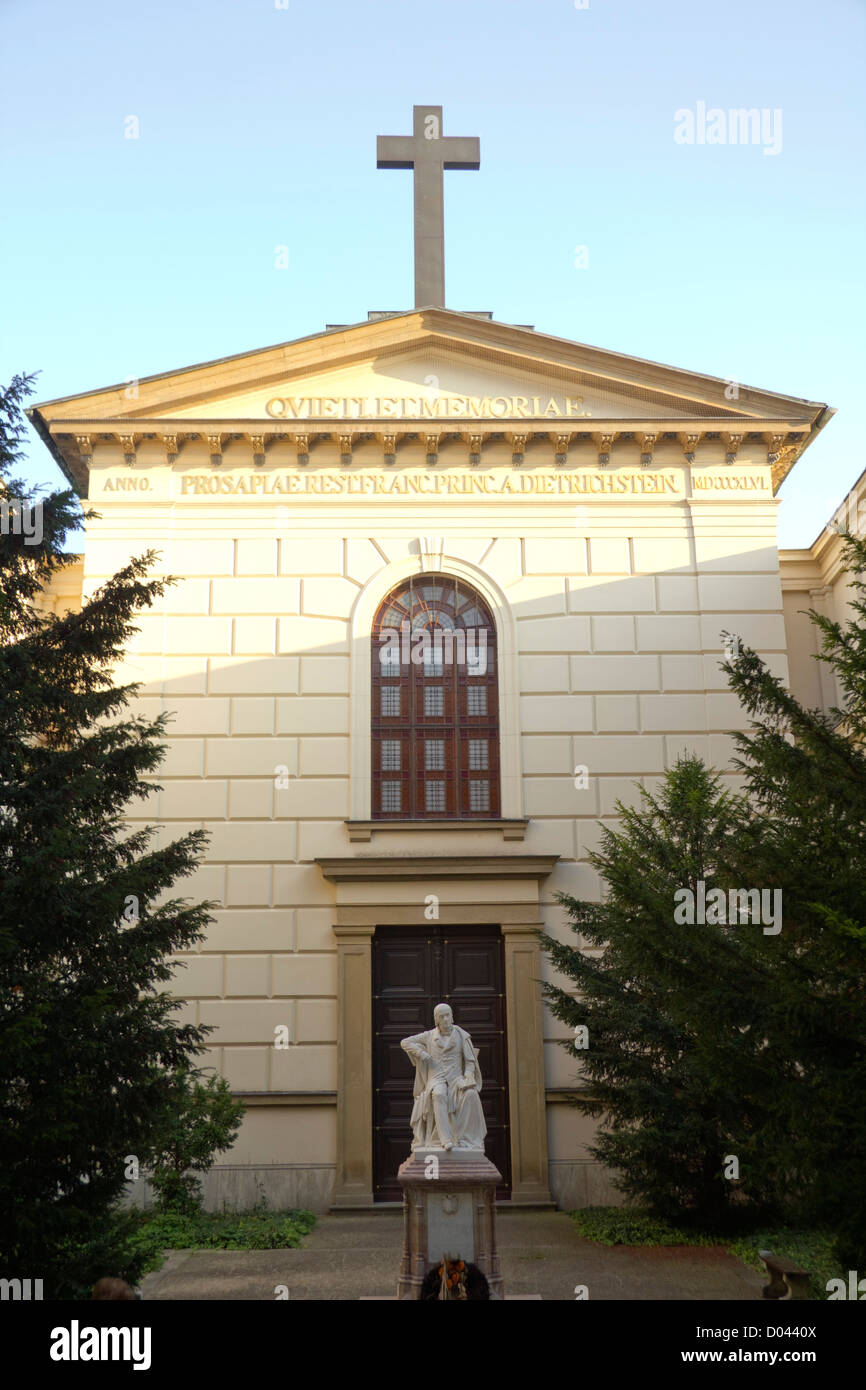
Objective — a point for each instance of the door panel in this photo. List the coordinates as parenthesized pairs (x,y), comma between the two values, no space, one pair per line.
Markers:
(414,969)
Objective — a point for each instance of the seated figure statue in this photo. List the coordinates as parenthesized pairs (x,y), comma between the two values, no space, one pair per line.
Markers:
(447,1113)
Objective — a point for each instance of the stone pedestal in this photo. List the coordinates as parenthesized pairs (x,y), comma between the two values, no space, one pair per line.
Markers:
(449,1212)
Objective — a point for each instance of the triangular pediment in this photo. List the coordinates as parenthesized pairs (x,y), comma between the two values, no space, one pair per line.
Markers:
(423,365)
(440,380)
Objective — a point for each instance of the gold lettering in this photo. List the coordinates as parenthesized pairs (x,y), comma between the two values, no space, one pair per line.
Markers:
(499,482)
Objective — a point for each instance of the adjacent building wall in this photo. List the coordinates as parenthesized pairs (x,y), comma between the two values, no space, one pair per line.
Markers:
(814,579)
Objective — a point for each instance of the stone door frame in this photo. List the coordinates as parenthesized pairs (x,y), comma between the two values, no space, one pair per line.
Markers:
(499,890)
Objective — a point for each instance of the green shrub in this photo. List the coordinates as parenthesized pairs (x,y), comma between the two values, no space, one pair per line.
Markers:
(812,1249)
(251,1230)
(632,1226)
(202,1121)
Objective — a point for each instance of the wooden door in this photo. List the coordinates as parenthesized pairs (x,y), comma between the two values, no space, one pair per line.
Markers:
(414,969)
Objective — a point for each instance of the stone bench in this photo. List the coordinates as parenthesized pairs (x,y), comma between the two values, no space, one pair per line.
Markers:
(786,1277)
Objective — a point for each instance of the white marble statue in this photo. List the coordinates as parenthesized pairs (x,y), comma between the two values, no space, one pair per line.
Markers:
(447,1113)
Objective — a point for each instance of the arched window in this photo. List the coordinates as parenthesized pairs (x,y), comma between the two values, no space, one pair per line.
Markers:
(435,726)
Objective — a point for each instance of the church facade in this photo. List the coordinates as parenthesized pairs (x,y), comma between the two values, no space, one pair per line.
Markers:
(448,588)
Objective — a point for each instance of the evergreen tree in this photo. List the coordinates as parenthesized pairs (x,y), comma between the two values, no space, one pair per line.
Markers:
(727,1039)
(88,1038)
(805,771)
(671,1056)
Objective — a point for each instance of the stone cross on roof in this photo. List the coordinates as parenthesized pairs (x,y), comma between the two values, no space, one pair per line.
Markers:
(428,152)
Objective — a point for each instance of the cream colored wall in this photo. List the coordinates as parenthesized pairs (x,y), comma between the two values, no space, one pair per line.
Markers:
(813,578)
(610,614)
(63,594)
(802,640)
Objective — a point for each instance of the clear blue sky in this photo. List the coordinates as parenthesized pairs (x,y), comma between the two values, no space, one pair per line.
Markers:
(258,129)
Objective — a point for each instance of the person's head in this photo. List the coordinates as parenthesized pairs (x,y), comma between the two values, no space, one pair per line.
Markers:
(443,1018)
(113,1289)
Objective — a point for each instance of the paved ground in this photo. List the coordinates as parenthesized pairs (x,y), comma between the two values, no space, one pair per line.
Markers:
(351,1254)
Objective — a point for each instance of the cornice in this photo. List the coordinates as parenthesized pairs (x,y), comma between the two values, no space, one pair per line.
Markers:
(364,830)
(799,570)
(386,868)
(75,443)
